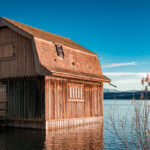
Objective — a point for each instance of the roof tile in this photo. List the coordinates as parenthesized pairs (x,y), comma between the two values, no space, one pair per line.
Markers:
(48,36)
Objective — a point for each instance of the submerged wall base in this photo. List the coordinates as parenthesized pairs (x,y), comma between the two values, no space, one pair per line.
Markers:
(26,124)
(52,124)
(66,123)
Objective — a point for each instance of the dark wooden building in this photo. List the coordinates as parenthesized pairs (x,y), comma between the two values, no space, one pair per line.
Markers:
(47,81)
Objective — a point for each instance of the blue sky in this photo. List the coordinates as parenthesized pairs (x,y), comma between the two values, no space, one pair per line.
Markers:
(117,30)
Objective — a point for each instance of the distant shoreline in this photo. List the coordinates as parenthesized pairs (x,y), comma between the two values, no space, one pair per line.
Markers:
(125,95)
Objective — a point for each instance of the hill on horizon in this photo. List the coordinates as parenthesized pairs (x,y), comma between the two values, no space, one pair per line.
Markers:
(117,91)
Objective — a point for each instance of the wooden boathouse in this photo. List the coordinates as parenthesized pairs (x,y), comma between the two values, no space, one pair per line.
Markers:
(47,81)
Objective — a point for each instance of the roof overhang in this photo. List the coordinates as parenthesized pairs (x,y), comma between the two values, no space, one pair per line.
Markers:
(68,75)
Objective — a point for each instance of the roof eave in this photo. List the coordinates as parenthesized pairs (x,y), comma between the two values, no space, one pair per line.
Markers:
(68,75)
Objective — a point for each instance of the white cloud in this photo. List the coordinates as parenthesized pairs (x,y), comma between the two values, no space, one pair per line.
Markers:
(126,80)
(139,74)
(119,64)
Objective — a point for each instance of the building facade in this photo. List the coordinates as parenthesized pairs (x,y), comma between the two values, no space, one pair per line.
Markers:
(47,81)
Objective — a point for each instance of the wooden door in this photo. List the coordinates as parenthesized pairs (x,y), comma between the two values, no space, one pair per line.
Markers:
(3,100)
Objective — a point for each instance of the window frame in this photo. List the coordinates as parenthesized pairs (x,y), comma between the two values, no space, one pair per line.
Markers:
(73,92)
(11,48)
(59,52)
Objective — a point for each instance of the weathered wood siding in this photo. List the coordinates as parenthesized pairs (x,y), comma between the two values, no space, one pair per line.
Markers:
(3,100)
(25,98)
(58,106)
(16,55)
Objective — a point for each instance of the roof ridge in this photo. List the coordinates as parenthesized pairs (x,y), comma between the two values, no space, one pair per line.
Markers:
(48,36)
(7,19)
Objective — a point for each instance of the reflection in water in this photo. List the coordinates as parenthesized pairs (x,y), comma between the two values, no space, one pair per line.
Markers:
(83,137)
(21,139)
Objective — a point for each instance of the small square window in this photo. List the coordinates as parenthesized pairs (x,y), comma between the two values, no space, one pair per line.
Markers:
(75,92)
(59,50)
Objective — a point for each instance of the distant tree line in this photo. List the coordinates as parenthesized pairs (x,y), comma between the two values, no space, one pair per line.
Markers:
(126,95)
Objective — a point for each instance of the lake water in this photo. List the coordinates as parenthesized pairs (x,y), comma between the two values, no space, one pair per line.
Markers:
(91,137)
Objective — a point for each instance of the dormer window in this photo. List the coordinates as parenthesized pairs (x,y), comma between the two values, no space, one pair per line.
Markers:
(59,50)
